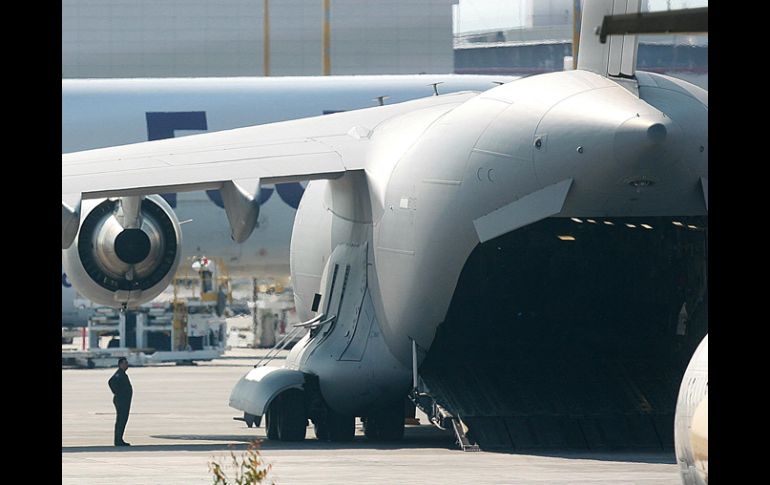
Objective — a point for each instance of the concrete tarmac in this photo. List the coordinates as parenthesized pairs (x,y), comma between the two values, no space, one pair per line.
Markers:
(180,421)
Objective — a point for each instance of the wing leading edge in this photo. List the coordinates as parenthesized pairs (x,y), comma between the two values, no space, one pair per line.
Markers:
(306,149)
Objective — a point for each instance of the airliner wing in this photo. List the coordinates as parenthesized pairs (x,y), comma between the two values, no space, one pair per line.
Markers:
(305,149)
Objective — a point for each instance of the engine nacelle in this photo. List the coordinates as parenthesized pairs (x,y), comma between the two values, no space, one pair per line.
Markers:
(691,420)
(115,262)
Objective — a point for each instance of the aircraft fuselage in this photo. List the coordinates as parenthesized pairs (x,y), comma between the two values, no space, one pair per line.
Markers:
(390,243)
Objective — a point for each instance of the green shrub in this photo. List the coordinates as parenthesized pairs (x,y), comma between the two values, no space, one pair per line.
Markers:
(249,468)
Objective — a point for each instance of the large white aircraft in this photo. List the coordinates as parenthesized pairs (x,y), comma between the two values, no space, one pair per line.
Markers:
(106,112)
(691,427)
(531,259)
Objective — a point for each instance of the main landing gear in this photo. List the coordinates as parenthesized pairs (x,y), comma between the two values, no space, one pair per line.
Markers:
(286,420)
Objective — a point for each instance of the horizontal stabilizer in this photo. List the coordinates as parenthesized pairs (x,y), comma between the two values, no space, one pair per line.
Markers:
(687,20)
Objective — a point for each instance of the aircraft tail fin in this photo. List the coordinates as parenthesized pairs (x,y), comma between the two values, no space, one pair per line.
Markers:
(616,57)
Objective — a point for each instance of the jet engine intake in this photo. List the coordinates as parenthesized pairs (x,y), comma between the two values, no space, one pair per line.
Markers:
(126,251)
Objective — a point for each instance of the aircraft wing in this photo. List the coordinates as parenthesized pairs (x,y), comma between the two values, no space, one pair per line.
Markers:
(305,149)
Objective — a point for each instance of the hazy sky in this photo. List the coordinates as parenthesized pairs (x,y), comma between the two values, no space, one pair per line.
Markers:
(507,14)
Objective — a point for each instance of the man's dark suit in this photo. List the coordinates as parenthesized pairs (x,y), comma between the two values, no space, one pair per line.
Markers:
(122,390)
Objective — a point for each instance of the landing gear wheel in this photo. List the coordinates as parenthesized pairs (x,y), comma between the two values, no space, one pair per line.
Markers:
(321,431)
(292,421)
(371,429)
(341,427)
(271,421)
(385,424)
(335,427)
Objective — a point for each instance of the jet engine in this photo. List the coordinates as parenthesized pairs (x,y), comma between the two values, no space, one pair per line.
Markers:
(691,421)
(126,250)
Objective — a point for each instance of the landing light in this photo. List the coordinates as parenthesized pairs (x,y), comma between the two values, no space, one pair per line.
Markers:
(677,223)
(591,221)
(609,223)
(691,226)
(566,238)
(646,226)
(630,225)
(577,220)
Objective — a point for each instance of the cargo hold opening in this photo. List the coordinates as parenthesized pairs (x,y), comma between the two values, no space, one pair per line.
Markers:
(574,333)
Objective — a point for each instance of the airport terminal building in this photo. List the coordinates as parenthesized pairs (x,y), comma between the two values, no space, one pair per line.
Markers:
(197,38)
(194,38)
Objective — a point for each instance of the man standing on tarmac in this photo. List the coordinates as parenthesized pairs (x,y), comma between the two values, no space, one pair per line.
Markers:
(122,390)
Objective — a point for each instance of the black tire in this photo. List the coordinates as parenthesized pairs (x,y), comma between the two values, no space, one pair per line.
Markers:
(385,424)
(341,427)
(371,430)
(292,420)
(321,431)
(271,420)
(392,426)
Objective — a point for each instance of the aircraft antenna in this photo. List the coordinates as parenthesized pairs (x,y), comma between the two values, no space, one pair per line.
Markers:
(435,87)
